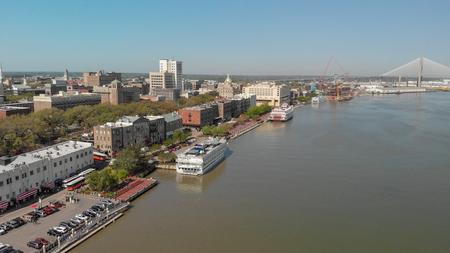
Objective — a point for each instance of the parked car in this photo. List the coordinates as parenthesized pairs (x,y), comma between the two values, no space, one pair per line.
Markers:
(42,241)
(97,208)
(2,232)
(67,225)
(88,214)
(61,229)
(29,218)
(6,226)
(168,151)
(48,210)
(107,201)
(5,247)
(21,222)
(41,213)
(52,208)
(77,220)
(102,205)
(82,217)
(177,147)
(16,251)
(53,232)
(13,223)
(93,211)
(172,149)
(34,245)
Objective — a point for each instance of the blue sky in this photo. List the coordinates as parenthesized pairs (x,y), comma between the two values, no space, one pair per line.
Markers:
(219,37)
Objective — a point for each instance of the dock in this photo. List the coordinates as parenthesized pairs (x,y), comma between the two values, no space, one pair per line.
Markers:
(135,188)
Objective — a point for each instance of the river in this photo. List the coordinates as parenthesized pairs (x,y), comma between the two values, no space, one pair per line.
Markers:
(369,175)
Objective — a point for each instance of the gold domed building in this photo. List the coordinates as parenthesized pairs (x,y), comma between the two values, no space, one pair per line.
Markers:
(227,90)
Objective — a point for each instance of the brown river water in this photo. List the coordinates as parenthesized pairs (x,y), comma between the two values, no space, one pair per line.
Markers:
(369,175)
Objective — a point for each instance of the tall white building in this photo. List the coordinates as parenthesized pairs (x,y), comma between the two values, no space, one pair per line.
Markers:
(274,95)
(2,89)
(175,67)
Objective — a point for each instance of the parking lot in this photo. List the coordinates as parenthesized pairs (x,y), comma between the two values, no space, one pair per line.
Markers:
(19,237)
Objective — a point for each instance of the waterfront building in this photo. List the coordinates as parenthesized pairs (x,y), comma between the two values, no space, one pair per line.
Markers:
(175,67)
(65,100)
(25,175)
(399,90)
(274,95)
(100,78)
(156,130)
(116,94)
(115,136)
(200,116)
(6,111)
(172,122)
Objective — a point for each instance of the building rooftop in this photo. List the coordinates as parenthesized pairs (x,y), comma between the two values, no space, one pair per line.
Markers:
(171,117)
(52,152)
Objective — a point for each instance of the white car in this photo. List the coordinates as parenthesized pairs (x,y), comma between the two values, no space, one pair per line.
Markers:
(2,232)
(61,229)
(81,217)
(107,201)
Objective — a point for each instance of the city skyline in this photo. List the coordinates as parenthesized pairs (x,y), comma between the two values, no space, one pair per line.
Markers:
(238,37)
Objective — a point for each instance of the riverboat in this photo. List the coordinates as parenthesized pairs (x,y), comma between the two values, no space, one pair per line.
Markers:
(202,157)
(282,113)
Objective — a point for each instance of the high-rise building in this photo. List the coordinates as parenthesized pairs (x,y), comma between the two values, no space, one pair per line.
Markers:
(175,67)
(2,89)
(162,80)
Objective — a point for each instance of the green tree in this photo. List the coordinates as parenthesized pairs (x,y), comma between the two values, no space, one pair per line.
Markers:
(93,180)
(107,179)
(122,174)
(167,157)
(131,159)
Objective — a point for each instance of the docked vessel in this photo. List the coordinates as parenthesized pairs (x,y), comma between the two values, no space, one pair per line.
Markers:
(202,157)
(282,113)
(318,99)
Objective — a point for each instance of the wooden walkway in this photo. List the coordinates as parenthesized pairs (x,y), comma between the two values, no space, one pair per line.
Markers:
(134,188)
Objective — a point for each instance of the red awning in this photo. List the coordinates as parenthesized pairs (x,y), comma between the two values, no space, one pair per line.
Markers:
(49,184)
(26,194)
(4,204)
(147,140)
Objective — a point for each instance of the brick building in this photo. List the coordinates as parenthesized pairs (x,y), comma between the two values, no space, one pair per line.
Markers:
(100,78)
(6,111)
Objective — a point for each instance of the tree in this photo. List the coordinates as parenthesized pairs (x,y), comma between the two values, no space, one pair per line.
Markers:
(181,136)
(131,159)
(167,157)
(107,179)
(206,130)
(122,174)
(93,179)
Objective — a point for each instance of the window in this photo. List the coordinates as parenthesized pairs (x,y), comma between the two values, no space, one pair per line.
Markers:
(65,160)
(54,165)
(60,162)
(31,173)
(7,196)
(9,180)
(38,170)
(90,151)
(86,152)
(45,168)
(81,155)
(24,175)
(77,156)
(1,183)
(17,178)
(70,158)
